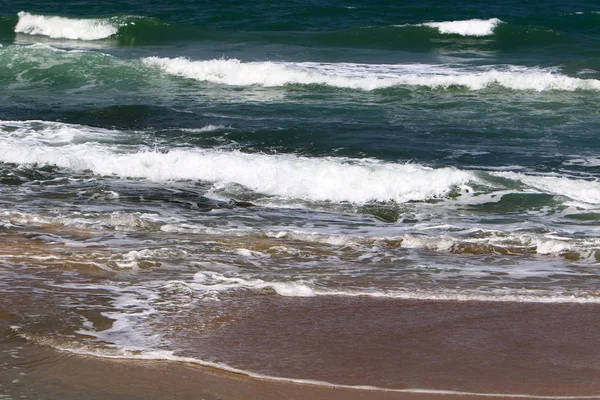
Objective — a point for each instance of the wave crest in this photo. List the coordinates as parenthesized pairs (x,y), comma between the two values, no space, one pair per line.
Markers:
(285,175)
(65,28)
(471,27)
(368,76)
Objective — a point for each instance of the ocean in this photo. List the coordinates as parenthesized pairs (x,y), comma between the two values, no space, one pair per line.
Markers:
(402,196)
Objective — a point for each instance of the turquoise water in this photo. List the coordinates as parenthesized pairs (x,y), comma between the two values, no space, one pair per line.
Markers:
(159,156)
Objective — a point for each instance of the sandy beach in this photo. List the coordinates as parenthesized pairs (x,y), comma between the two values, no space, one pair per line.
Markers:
(78,377)
(547,351)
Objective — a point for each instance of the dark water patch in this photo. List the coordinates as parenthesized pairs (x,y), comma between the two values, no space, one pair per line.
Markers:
(580,22)
(7,28)
(410,38)
(11,174)
(520,202)
(509,37)
(140,31)
(126,116)
(421,38)
(588,218)
(180,198)
(88,191)
(386,213)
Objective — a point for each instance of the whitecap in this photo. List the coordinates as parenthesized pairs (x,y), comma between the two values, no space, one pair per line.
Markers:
(234,72)
(65,28)
(470,27)
(286,176)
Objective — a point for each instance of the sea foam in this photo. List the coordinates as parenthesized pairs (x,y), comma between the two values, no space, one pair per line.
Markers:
(368,76)
(284,175)
(471,27)
(65,28)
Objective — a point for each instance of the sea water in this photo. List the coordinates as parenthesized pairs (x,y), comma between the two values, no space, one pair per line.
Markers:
(166,169)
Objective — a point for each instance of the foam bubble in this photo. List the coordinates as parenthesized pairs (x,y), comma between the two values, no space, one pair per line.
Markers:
(368,77)
(65,28)
(471,27)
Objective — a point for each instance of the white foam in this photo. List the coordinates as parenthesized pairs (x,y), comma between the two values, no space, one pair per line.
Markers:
(38,132)
(495,296)
(368,77)
(584,161)
(285,175)
(131,259)
(250,253)
(471,27)
(543,245)
(428,243)
(207,128)
(65,28)
(210,282)
(576,189)
(553,246)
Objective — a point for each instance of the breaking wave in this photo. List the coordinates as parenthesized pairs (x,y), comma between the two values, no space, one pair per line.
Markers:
(285,175)
(25,65)
(471,27)
(65,28)
(368,76)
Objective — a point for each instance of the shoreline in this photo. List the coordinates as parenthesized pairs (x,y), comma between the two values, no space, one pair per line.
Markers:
(80,376)
(36,370)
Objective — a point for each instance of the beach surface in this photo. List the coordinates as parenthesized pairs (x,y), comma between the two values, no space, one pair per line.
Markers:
(450,350)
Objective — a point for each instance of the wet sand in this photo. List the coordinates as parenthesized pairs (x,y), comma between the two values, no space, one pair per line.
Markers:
(79,377)
(480,347)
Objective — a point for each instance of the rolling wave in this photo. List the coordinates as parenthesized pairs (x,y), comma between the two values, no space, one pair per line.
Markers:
(65,28)
(42,65)
(125,30)
(579,190)
(288,176)
(369,76)
(331,179)
(136,30)
(29,64)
